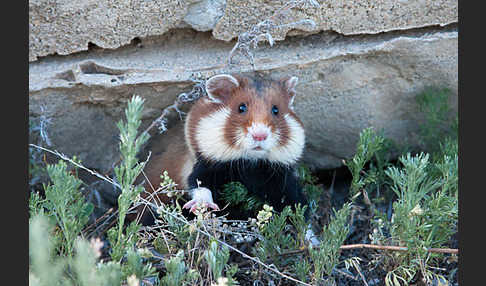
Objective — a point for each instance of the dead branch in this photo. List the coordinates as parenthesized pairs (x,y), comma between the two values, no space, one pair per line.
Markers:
(379,247)
(398,248)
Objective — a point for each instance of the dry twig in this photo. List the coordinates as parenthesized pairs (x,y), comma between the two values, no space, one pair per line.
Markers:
(64,157)
(262,30)
(379,247)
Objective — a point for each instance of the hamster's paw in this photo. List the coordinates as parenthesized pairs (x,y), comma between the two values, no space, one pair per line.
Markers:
(201,197)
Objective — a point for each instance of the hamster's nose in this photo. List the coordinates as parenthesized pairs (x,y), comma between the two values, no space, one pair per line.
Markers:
(259,131)
(260,136)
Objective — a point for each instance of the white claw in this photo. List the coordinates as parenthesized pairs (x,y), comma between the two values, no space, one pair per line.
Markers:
(201,197)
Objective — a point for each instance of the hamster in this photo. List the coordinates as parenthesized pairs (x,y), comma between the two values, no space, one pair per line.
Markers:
(244,130)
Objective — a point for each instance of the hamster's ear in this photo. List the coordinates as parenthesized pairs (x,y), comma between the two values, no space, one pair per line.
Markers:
(221,86)
(290,83)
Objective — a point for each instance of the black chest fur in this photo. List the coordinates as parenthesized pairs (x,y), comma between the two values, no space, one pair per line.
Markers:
(276,185)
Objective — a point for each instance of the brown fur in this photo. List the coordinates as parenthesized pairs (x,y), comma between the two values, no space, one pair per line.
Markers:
(259,110)
(172,162)
(200,109)
(259,107)
(274,93)
(259,94)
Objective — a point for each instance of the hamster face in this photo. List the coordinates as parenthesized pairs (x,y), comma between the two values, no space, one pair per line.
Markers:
(247,118)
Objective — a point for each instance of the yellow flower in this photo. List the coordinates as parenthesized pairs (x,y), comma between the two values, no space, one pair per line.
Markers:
(264,215)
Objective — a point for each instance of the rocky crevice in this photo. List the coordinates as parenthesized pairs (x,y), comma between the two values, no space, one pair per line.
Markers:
(360,64)
(347,83)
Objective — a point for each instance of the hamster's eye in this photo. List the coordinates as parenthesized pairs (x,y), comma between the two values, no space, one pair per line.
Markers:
(274,110)
(242,108)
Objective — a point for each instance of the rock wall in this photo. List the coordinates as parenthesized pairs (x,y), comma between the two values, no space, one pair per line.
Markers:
(360,64)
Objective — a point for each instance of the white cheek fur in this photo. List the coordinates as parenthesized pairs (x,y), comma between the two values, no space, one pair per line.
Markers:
(212,144)
(292,151)
(210,137)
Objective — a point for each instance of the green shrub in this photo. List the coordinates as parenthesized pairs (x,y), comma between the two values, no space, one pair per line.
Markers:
(76,260)
(424,215)
(217,258)
(368,145)
(43,268)
(326,257)
(237,195)
(424,211)
(433,103)
(64,203)
(177,273)
(275,236)
(48,268)
(311,190)
(126,174)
